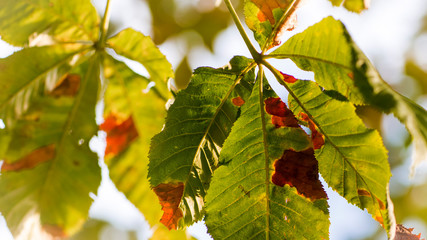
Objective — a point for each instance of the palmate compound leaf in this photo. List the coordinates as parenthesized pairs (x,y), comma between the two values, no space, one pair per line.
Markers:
(184,155)
(353,160)
(133,115)
(352,5)
(327,49)
(48,169)
(64,21)
(243,202)
(135,46)
(22,74)
(269,18)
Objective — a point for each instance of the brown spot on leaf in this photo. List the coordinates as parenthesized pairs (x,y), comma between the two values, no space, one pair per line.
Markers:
(363,192)
(31,160)
(170,197)
(238,101)
(403,233)
(299,170)
(351,75)
(381,204)
(281,115)
(119,134)
(316,137)
(68,86)
(54,230)
(288,78)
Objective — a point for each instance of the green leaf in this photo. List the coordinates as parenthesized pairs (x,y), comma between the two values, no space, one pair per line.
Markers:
(327,49)
(47,176)
(135,46)
(125,98)
(65,21)
(353,160)
(185,154)
(242,202)
(24,72)
(267,18)
(378,93)
(352,5)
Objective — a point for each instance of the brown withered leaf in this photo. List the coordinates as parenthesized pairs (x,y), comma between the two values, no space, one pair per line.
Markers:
(403,233)
(170,197)
(31,160)
(68,86)
(299,170)
(316,137)
(119,134)
(281,115)
(266,9)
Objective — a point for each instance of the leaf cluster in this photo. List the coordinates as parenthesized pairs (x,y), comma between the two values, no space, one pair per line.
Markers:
(230,150)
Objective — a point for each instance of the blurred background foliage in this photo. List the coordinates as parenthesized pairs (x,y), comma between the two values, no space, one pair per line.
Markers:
(196,24)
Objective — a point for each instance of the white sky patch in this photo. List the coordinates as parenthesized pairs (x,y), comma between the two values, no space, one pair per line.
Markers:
(2,126)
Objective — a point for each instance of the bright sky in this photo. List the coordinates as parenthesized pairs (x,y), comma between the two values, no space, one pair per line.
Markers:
(383,33)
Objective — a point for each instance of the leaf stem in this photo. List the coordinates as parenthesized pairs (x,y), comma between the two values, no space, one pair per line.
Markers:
(104,26)
(256,56)
(285,17)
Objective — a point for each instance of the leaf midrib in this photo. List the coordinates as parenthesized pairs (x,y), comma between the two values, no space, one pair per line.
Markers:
(67,126)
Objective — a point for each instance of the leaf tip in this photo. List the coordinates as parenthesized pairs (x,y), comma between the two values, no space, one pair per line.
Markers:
(170,195)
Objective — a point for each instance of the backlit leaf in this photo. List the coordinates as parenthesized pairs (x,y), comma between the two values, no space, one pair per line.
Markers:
(135,46)
(243,201)
(65,21)
(186,151)
(125,99)
(352,5)
(22,74)
(353,160)
(327,49)
(54,168)
(268,18)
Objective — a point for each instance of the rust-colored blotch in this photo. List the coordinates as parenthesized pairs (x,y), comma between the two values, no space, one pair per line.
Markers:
(119,134)
(238,101)
(281,115)
(299,170)
(68,86)
(317,138)
(31,160)
(170,197)
(288,78)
